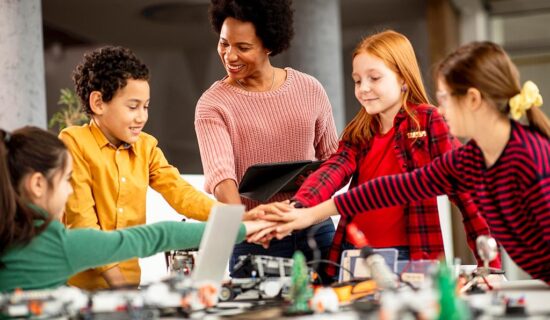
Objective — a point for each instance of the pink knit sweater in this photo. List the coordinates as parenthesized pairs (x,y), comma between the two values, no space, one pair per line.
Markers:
(237,128)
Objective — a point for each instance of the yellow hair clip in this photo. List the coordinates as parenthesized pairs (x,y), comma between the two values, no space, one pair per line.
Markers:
(523,101)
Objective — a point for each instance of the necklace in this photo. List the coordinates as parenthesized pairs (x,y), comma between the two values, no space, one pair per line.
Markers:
(270,88)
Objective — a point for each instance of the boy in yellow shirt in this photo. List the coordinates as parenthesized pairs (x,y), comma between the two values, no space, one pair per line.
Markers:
(115,161)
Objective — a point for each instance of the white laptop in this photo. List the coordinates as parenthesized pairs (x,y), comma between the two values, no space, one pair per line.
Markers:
(217,244)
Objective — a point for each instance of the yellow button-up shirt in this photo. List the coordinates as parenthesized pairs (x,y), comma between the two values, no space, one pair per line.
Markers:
(110,186)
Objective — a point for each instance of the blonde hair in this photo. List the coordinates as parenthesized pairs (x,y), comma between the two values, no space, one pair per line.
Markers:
(486,67)
(395,50)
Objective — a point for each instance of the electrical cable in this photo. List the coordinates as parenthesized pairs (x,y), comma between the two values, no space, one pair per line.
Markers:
(332,263)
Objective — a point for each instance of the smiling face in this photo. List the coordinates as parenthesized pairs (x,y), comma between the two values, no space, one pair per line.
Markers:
(122,119)
(377,87)
(241,51)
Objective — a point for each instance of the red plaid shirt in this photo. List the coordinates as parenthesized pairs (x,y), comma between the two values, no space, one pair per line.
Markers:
(415,148)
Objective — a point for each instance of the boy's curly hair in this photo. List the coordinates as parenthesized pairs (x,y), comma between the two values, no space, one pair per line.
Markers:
(273,19)
(106,70)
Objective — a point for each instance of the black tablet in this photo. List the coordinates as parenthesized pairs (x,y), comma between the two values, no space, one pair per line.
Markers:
(262,181)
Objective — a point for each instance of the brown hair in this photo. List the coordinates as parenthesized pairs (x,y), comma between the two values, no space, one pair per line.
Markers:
(486,67)
(395,50)
(24,152)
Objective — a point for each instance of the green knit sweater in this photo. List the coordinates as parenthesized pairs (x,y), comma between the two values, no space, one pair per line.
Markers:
(58,253)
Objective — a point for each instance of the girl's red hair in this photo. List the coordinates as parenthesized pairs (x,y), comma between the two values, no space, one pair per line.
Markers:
(395,50)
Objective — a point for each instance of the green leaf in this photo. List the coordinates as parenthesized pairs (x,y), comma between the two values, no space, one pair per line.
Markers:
(71,114)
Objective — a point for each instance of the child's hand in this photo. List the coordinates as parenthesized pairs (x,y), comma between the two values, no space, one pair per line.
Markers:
(255,226)
(286,216)
(288,221)
(296,219)
(285,223)
(268,208)
(263,237)
(114,277)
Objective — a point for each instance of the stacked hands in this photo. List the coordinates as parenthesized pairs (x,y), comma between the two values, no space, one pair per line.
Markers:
(275,220)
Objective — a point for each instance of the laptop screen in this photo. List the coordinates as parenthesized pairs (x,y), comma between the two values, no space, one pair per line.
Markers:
(217,243)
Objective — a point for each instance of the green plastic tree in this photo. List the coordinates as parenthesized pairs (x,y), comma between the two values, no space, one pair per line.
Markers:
(300,291)
(451,307)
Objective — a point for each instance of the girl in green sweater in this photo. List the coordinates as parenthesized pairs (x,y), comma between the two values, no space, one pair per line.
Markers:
(36,250)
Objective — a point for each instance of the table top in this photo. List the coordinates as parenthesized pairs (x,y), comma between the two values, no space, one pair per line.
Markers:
(535,295)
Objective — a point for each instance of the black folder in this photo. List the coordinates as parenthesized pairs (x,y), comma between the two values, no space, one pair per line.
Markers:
(262,181)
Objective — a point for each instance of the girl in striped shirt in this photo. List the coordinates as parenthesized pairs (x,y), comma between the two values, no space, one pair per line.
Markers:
(506,165)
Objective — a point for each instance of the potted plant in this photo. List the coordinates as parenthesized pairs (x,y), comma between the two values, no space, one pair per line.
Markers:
(69,115)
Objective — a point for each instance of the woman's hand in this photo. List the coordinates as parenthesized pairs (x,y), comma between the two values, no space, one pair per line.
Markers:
(255,226)
(276,208)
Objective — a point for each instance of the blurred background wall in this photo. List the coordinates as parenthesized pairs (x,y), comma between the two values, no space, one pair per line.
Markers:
(175,40)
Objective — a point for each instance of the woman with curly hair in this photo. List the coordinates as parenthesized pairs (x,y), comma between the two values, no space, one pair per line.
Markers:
(259,113)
